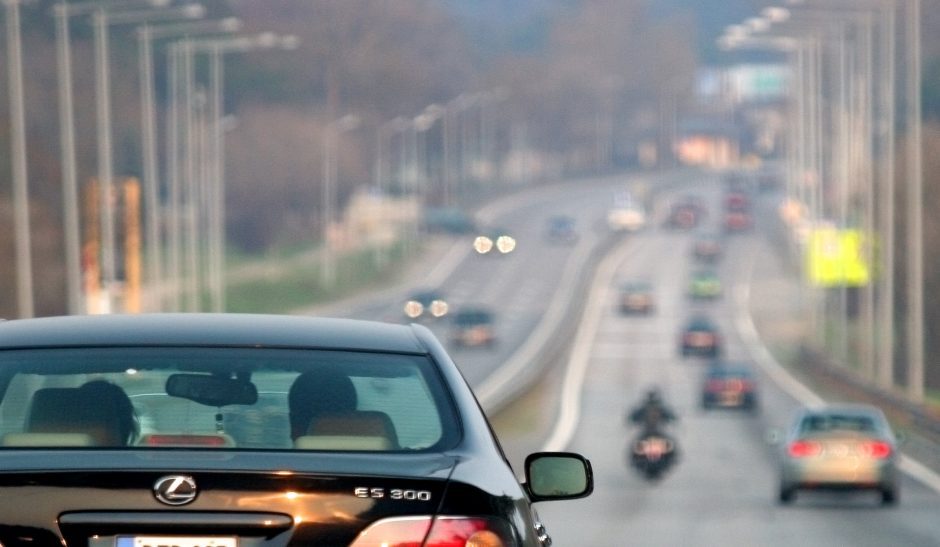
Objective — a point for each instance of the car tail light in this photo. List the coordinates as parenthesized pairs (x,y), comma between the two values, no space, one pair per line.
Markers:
(184,440)
(878,450)
(427,531)
(804,449)
(734,384)
(714,385)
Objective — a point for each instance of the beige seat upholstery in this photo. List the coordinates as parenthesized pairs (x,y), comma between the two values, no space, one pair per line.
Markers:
(354,430)
(47,439)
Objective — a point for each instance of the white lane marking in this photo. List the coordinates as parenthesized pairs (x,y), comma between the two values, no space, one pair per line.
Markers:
(745,324)
(580,356)
(511,371)
(752,340)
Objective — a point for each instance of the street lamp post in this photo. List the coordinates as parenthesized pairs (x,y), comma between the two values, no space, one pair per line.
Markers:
(213,162)
(102,18)
(196,173)
(71,226)
(24,270)
(328,196)
(877,114)
(146,35)
(382,173)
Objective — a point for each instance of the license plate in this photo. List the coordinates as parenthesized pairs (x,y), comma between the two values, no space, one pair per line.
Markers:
(176,541)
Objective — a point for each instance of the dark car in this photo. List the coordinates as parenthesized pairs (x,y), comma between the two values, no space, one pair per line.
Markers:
(707,248)
(561,229)
(700,337)
(473,326)
(636,297)
(250,430)
(842,447)
(448,220)
(737,200)
(686,213)
(738,221)
(729,385)
(428,304)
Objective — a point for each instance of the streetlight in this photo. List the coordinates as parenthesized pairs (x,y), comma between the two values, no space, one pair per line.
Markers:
(214,149)
(385,132)
(423,123)
(146,34)
(102,20)
(882,138)
(24,270)
(201,162)
(62,12)
(328,197)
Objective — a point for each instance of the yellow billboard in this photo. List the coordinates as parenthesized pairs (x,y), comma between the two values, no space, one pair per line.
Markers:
(837,258)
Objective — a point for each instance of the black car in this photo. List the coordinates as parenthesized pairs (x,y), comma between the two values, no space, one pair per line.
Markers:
(473,326)
(700,337)
(251,430)
(561,229)
(636,297)
(707,248)
(729,385)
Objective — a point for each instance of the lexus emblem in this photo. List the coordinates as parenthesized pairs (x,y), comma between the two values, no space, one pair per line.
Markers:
(175,489)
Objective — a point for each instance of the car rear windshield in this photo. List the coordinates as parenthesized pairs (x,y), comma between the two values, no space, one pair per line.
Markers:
(224,398)
(838,422)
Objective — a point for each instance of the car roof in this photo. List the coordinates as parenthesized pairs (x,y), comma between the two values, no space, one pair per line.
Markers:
(700,321)
(207,329)
(473,313)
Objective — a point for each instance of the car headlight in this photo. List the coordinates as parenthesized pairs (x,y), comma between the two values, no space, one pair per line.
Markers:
(413,309)
(505,244)
(483,244)
(439,308)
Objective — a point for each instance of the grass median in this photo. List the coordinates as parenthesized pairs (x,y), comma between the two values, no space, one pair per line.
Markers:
(282,285)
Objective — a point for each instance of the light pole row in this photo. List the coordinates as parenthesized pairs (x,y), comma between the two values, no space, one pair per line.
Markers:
(842,147)
(194,151)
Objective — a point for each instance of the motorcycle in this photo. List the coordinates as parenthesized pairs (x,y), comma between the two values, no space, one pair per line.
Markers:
(652,453)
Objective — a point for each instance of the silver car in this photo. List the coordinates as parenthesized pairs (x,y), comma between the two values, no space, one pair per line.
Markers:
(840,447)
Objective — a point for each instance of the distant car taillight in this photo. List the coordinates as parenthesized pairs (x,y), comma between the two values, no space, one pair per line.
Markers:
(427,531)
(714,385)
(878,450)
(734,384)
(804,449)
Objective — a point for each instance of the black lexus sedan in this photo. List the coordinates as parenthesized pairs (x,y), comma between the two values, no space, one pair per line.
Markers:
(229,430)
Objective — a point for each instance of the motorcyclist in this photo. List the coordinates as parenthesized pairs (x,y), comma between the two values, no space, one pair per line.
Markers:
(652,413)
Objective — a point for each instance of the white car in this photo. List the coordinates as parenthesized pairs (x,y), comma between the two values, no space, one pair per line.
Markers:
(626,218)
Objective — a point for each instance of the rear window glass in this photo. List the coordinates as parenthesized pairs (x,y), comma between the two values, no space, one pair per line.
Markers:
(837,422)
(226,398)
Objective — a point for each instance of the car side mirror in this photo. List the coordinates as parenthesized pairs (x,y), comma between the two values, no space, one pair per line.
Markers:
(900,437)
(558,476)
(773,436)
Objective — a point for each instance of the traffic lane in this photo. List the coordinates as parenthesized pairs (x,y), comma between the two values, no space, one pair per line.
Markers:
(725,484)
(517,286)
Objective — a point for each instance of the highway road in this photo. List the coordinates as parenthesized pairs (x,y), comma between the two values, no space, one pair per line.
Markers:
(723,490)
